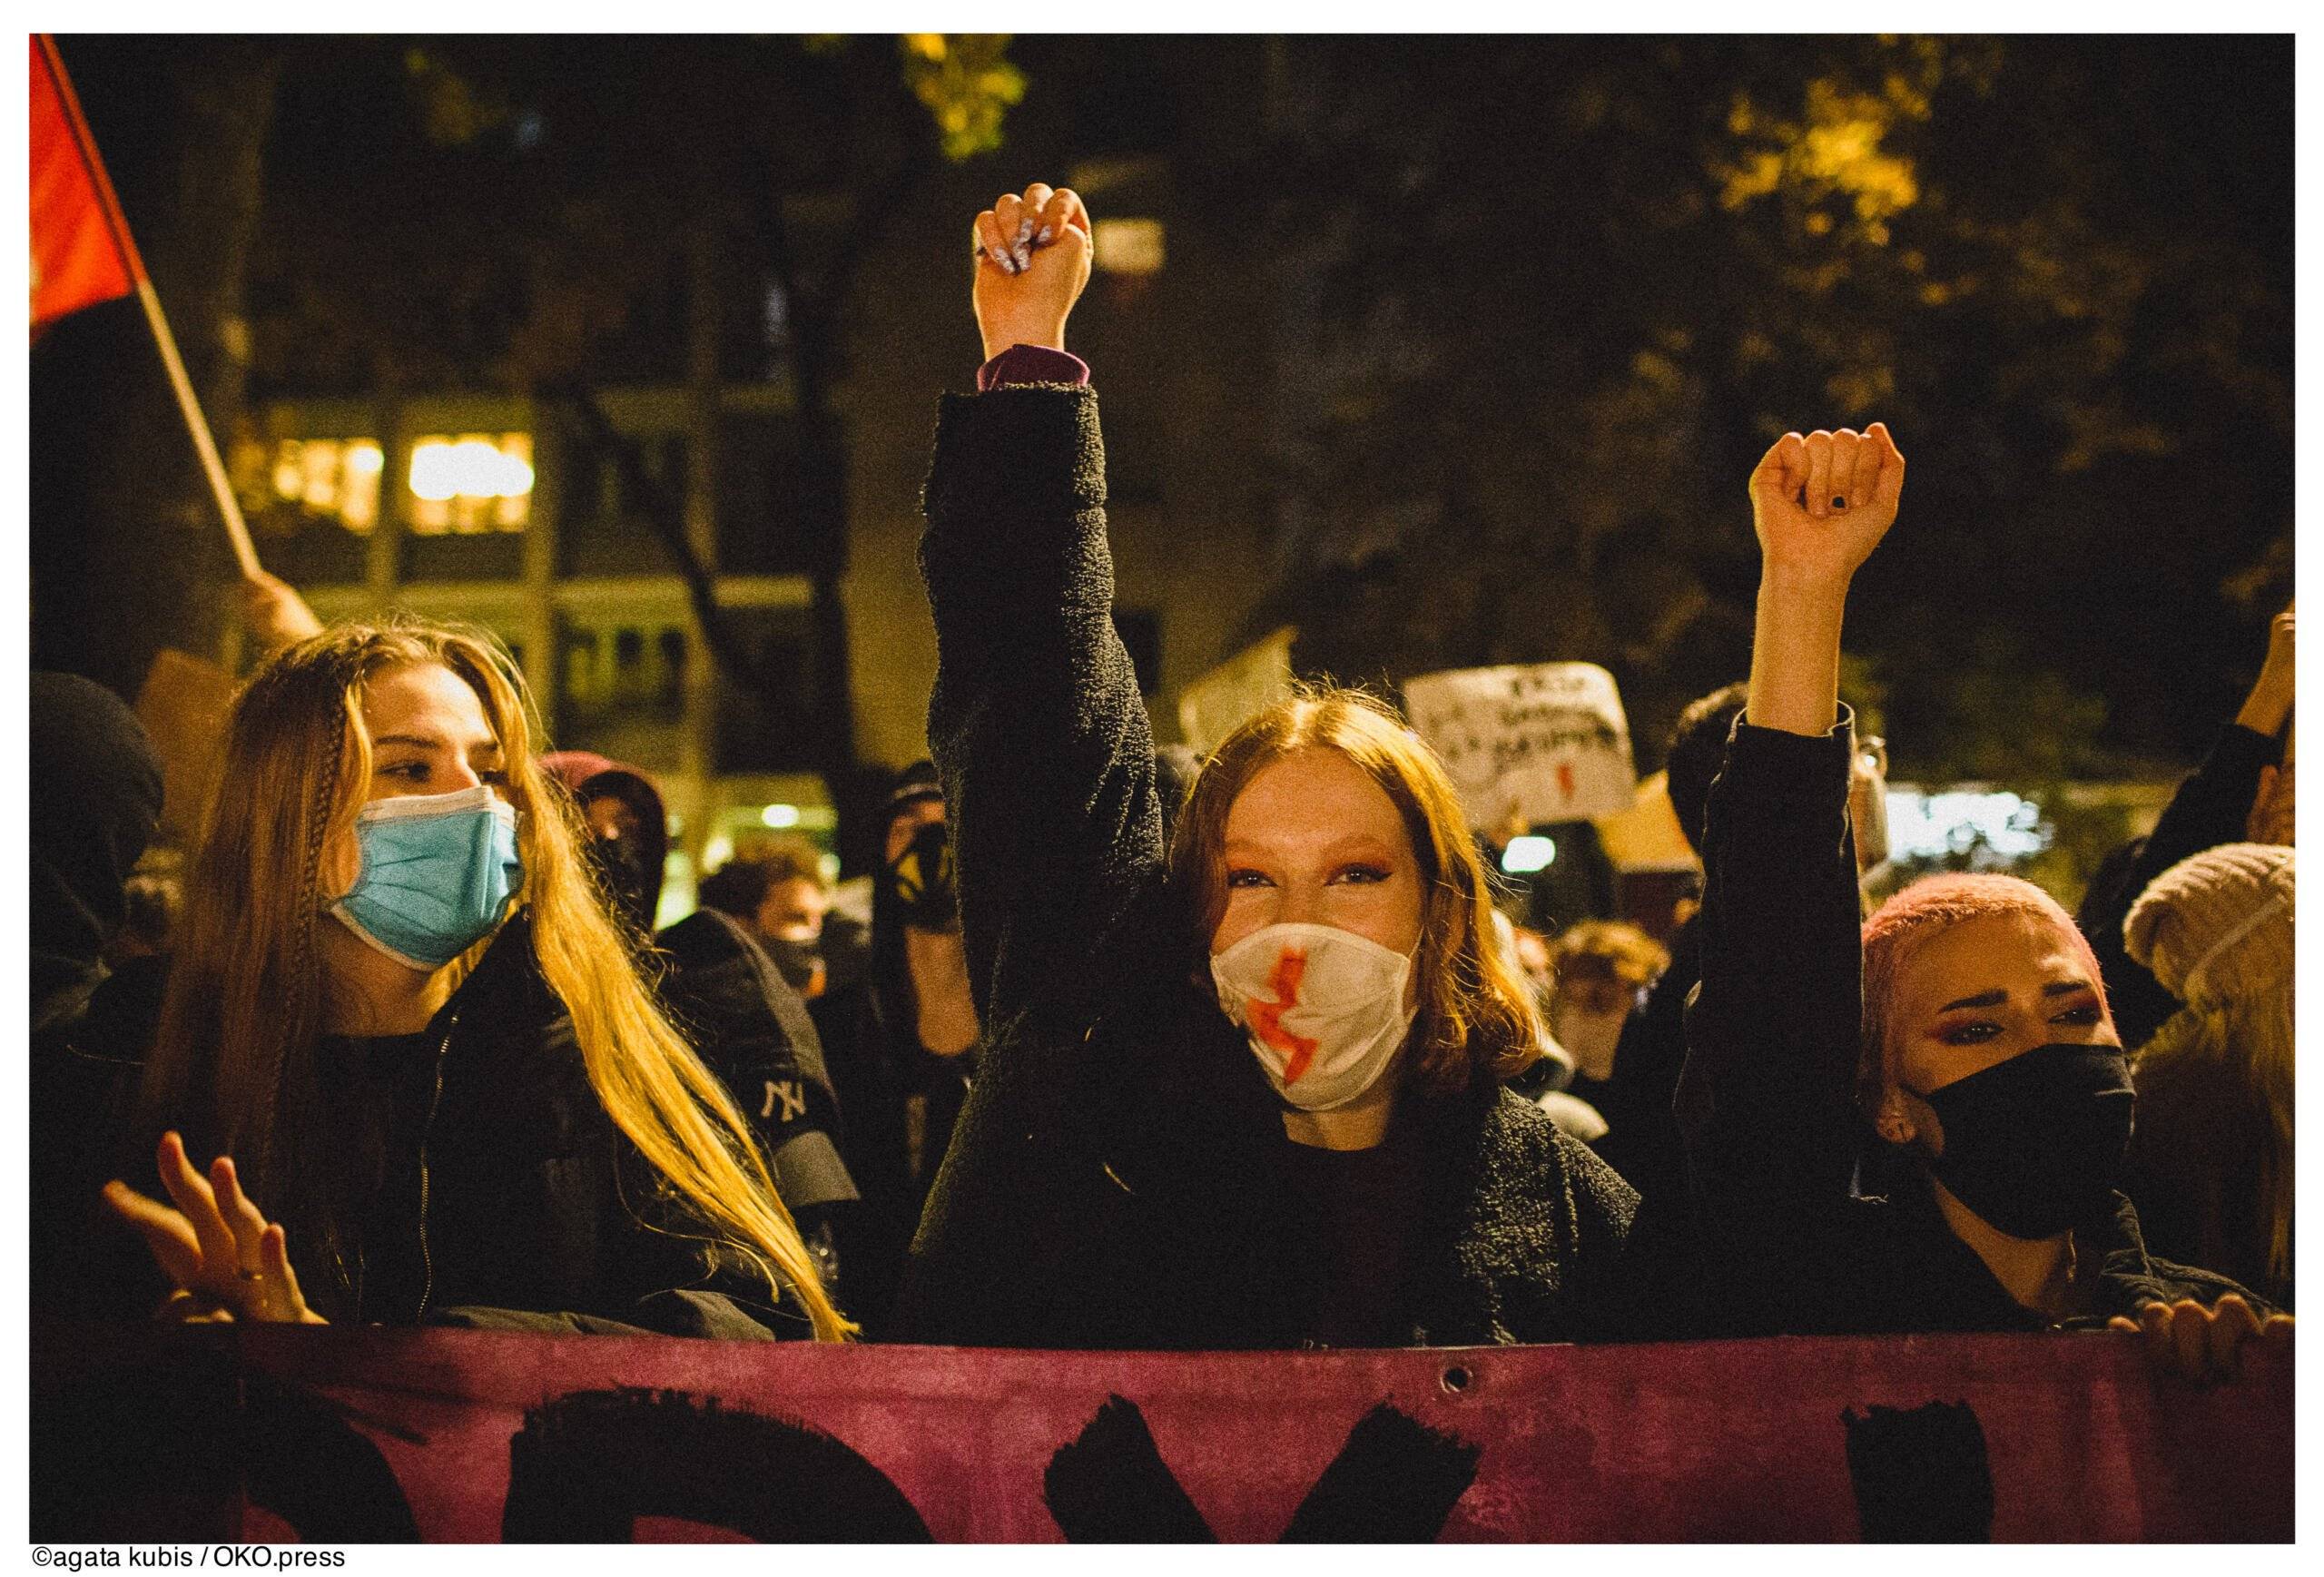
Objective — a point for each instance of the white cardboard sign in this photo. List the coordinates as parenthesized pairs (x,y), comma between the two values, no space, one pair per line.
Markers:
(1547,740)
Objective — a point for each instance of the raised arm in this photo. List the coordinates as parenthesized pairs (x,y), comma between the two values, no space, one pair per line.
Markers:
(2238,792)
(1036,722)
(1766,1101)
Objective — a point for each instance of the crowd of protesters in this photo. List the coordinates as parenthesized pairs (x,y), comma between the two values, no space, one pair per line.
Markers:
(1133,1048)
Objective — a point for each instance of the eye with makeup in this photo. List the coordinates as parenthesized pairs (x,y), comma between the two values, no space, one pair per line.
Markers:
(1977,1031)
(1244,876)
(1359,874)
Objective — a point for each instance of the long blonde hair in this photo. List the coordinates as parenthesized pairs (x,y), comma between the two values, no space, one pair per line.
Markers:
(1477,1022)
(235,1061)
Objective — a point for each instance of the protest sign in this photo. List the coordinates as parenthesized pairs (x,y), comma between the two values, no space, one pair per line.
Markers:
(1539,742)
(183,706)
(1253,678)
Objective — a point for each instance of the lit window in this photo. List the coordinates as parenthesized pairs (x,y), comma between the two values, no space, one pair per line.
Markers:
(470,483)
(1129,246)
(333,477)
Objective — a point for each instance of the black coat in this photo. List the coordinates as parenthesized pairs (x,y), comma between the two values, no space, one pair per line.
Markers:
(480,1181)
(1768,1099)
(1117,1177)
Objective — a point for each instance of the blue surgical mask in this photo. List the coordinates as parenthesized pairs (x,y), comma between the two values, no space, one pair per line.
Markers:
(437,870)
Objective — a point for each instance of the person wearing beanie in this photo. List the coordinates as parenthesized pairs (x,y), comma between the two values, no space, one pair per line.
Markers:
(2210,1162)
(1964,1027)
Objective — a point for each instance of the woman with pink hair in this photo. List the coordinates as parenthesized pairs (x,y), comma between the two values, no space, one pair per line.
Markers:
(1965,1025)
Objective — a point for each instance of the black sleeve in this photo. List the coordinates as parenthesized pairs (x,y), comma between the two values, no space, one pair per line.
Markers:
(1035,721)
(2209,809)
(752,1030)
(1766,1101)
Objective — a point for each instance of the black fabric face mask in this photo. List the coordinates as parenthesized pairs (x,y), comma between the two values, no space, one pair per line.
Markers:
(795,961)
(921,880)
(2035,1143)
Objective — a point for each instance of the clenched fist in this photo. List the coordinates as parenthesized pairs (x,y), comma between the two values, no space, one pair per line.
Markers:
(1033,261)
(1821,503)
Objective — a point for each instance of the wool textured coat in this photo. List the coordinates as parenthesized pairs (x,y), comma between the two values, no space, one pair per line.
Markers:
(1120,1176)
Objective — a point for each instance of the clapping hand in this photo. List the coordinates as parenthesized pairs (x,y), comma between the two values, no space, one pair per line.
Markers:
(225,1259)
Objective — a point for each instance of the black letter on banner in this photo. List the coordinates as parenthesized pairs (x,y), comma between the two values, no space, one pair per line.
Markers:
(1393,1482)
(584,1466)
(1921,1476)
(1109,1486)
(146,1453)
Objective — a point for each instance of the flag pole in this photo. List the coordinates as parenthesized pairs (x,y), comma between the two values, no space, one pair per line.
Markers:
(238,531)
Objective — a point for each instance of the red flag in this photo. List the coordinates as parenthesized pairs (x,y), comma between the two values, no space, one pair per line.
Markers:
(82,253)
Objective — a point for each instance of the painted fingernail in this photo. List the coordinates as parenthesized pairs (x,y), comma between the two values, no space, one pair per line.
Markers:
(1024,230)
(1042,239)
(1024,258)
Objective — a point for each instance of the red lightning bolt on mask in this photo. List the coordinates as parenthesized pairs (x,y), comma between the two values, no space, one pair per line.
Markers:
(1324,1008)
(1265,1019)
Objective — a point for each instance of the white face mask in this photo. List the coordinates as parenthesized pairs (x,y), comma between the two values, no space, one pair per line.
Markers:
(1324,1008)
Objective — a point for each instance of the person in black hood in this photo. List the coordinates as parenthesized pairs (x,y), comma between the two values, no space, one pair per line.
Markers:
(95,801)
(1960,1040)
(726,994)
(901,1038)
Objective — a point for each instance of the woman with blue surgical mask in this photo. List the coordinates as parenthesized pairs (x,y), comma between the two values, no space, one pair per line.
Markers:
(1246,1093)
(424,1076)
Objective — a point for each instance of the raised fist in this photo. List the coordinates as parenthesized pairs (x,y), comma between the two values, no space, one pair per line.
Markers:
(1033,260)
(1822,503)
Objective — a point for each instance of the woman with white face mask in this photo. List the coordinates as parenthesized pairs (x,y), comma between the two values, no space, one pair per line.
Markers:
(1246,1094)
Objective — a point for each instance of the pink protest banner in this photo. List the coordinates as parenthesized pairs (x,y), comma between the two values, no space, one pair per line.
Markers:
(355,1435)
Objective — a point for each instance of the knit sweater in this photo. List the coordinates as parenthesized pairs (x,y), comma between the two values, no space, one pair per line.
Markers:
(1120,1175)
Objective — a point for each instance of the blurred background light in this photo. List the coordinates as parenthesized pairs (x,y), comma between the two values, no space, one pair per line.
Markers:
(1529,853)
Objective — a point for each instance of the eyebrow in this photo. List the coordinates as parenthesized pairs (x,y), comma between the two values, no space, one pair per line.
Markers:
(1995,998)
(429,742)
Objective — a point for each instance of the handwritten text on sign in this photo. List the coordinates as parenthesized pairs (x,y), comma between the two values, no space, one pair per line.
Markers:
(1547,740)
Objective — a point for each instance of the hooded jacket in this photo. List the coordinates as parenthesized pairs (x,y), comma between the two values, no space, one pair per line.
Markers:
(1120,1175)
(95,800)
(730,1002)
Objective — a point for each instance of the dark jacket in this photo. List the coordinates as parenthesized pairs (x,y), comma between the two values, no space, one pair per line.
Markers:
(1767,1102)
(2209,809)
(481,1182)
(1641,1139)
(726,997)
(1118,1177)
(96,798)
